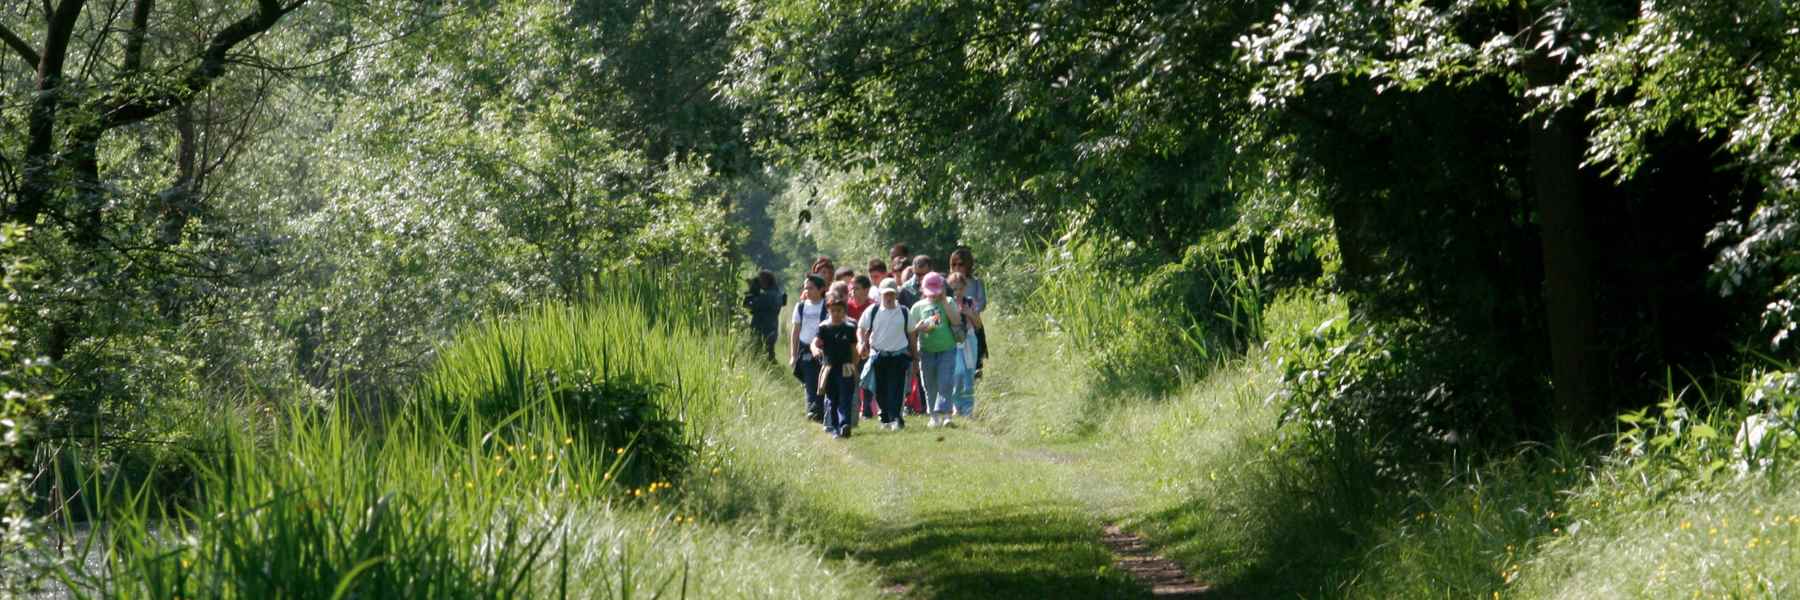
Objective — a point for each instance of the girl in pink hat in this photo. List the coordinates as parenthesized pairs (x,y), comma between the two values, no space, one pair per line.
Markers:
(938,326)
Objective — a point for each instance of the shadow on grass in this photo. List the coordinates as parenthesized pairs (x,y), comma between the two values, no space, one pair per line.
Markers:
(1020,551)
(1253,556)
(1332,528)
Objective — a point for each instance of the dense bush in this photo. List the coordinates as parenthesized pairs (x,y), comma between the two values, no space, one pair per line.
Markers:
(1404,388)
(23,403)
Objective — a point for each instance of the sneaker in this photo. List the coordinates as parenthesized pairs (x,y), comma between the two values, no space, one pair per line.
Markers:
(934,422)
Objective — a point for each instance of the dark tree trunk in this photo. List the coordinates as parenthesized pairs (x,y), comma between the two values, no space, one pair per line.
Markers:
(1569,282)
(40,146)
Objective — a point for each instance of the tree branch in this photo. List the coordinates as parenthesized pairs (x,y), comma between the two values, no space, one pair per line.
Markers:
(121,111)
(19,46)
(268,65)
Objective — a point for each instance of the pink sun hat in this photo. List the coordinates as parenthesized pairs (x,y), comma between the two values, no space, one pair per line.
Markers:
(933,285)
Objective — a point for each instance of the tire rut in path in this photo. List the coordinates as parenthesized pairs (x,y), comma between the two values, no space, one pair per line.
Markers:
(1164,577)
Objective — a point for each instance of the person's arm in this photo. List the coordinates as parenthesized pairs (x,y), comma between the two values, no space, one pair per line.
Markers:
(818,345)
(794,338)
(920,325)
(978,291)
(863,328)
(949,307)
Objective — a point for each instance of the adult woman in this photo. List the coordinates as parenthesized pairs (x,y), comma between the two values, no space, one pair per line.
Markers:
(809,313)
(936,323)
(962,260)
(835,348)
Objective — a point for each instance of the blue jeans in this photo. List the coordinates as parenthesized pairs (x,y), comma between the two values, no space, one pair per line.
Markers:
(964,398)
(937,380)
(840,402)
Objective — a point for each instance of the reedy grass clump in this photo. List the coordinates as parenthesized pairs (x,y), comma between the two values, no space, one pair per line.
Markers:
(628,368)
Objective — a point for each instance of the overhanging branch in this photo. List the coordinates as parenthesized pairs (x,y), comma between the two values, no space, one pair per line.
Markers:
(120,111)
(19,47)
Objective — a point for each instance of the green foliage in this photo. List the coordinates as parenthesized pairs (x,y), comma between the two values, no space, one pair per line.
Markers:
(1113,113)
(23,404)
(1155,332)
(1679,444)
(1401,389)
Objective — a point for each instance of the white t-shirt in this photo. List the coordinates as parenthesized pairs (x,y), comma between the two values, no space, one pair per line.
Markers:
(809,315)
(887,331)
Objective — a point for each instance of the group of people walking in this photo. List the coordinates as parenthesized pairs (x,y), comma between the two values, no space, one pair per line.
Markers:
(880,342)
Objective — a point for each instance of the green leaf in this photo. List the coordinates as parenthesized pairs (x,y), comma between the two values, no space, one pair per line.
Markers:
(1704,431)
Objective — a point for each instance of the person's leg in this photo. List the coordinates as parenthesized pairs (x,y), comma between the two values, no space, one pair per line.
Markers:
(809,377)
(840,415)
(890,386)
(915,396)
(769,346)
(865,398)
(982,354)
(938,376)
(965,382)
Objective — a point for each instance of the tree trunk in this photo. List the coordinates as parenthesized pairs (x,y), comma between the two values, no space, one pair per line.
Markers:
(1568,263)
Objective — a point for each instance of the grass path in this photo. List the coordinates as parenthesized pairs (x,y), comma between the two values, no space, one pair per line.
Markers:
(966,513)
(1013,504)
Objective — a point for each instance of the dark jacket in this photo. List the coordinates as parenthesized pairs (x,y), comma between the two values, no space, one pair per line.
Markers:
(765,311)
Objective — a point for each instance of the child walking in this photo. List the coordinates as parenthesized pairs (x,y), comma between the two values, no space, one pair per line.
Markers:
(937,324)
(835,347)
(888,341)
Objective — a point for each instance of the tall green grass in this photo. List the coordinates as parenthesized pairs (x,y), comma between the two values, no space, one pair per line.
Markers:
(510,473)
(1154,333)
